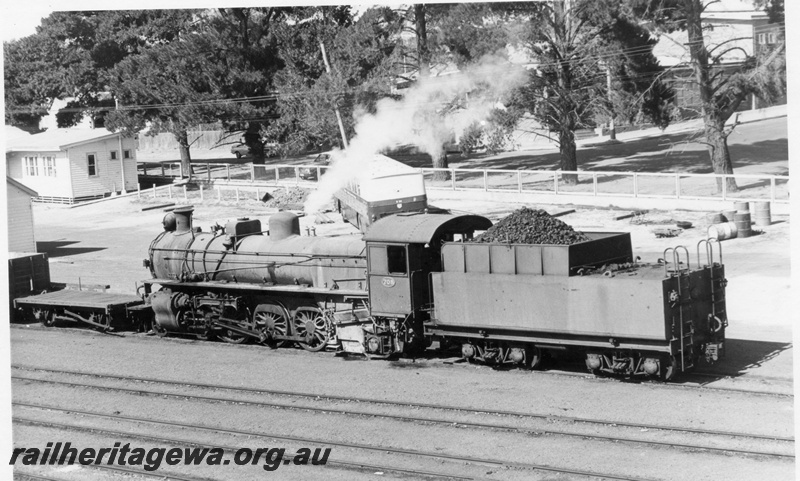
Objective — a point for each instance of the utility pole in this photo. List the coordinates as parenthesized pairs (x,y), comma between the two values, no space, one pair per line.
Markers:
(335,108)
(612,134)
(121,152)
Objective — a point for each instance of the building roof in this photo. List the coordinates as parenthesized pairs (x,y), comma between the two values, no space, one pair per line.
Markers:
(57,139)
(22,187)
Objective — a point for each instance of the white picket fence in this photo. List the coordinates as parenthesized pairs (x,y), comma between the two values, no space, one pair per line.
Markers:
(658,185)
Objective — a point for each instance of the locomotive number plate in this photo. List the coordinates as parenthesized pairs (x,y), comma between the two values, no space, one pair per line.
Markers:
(387,282)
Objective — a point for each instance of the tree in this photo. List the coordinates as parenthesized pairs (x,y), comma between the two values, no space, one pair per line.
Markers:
(360,55)
(574,44)
(721,91)
(72,53)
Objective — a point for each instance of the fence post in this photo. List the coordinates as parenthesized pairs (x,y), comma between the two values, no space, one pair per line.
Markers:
(724,187)
(201,192)
(277,174)
(594,182)
(677,185)
(144,168)
(138,190)
(208,171)
(154,191)
(555,182)
(635,184)
(772,188)
(169,190)
(228,171)
(519,181)
(162,171)
(252,172)
(297,176)
(237,195)
(485,180)
(219,193)
(452,178)
(258,193)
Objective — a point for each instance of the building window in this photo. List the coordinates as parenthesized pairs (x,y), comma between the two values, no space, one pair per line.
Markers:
(762,38)
(50,166)
(126,154)
(91,162)
(113,155)
(31,166)
(771,38)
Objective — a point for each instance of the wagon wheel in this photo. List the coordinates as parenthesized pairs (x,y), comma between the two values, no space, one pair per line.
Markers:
(271,320)
(45,316)
(103,319)
(310,323)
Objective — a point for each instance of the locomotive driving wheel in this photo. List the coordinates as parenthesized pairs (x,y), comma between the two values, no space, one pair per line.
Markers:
(310,323)
(271,320)
(232,337)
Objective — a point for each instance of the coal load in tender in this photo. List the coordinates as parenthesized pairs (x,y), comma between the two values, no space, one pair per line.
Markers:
(529,226)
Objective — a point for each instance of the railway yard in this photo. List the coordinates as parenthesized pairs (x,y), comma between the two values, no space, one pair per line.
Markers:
(430,417)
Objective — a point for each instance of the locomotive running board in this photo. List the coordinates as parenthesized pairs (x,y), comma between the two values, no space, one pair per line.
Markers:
(244,286)
(545,341)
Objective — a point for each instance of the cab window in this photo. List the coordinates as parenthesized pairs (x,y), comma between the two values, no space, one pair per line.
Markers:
(396,257)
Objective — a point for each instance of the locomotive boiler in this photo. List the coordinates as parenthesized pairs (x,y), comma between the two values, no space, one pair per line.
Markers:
(415,280)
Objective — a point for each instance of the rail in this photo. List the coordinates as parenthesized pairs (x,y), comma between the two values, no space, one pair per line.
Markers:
(663,185)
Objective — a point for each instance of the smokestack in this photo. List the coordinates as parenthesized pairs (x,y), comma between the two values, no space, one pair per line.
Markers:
(183,219)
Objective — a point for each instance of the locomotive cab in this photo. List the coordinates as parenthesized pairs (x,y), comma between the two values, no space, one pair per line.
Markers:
(403,250)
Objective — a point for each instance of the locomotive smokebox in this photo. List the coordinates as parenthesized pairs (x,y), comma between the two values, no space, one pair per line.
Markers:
(183,218)
(283,225)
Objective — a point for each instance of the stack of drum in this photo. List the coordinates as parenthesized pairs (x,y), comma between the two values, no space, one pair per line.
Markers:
(730,224)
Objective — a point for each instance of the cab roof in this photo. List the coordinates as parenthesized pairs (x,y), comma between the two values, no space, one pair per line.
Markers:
(418,228)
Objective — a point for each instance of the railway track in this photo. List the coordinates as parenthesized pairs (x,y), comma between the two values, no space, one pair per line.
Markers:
(577,372)
(720,437)
(109,470)
(227,449)
(364,447)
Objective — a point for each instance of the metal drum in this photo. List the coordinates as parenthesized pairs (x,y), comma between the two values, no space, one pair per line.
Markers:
(712,219)
(723,231)
(728,215)
(741,206)
(761,213)
(742,221)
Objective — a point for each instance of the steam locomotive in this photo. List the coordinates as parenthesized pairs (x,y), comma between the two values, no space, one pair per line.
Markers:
(415,280)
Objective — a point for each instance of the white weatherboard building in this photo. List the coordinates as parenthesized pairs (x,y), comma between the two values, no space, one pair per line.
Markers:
(73,165)
(20,217)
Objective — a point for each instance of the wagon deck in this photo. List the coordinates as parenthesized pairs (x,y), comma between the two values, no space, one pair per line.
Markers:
(98,309)
(87,299)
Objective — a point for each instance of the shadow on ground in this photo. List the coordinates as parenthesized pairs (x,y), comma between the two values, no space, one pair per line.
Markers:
(667,153)
(58,249)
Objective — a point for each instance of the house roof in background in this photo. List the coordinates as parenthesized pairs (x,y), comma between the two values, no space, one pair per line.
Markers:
(57,139)
(22,187)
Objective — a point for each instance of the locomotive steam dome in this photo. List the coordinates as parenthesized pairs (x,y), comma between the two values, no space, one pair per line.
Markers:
(283,225)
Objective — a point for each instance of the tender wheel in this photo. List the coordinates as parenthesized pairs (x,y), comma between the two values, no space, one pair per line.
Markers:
(309,323)
(271,320)
(533,357)
(669,368)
